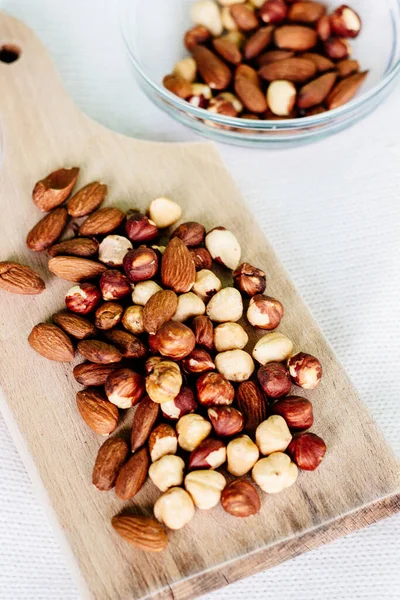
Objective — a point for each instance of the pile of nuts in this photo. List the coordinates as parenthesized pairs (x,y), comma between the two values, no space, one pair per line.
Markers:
(159,332)
(268,59)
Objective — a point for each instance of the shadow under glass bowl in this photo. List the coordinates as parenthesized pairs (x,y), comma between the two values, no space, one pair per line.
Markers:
(153,35)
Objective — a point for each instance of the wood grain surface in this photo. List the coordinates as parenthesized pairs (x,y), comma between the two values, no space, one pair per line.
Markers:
(358,482)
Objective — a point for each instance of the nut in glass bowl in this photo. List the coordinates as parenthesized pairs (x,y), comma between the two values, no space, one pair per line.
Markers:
(153,33)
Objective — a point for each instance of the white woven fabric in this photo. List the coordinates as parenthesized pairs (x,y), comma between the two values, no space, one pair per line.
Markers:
(332,212)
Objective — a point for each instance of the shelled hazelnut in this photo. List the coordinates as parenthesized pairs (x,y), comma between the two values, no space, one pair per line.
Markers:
(273,435)
(192,429)
(167,472)
(242,454)
(174,508)
(275,473)
(205,488)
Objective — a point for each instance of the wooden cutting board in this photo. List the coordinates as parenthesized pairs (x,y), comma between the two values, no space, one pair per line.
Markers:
(357,484)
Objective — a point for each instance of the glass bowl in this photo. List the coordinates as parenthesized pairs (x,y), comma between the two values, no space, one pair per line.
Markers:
(153,33)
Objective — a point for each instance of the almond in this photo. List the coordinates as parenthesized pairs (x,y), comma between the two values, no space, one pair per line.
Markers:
(20,279)
(295,37)
(316,91)
(90,374)
(145,416)
(47,231)
(212,69)
(74,325)
(178,271)
(128,345)
(103,221)
(322,63)
(159,309)
(55,188)
(99,352)
(75,268)
(142,532)
(347,67)
(345,90)
(247,87)
(177,85)
(97,412)
(110,458)
(244,17)
(132,475)
(87,200)
(252,404)
(273,55)
(51,342)
(306,12)
(258,42)
(228,50)
(75,247)
(297,70)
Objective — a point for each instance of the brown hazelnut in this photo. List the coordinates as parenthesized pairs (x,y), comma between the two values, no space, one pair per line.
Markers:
(337,48)
(114,285)
(209,454)
(240,499)
(124,388)
(305,370)
(252,404)
(307,450)
(151,364)
(132,320)
(296,411)
(274,379)
(273,11)
(264,312)
(345,22)
(202,258)
(129,345)
(173,339)
(183,404)
(203,332)
(227,421)
(213,389)
(249,279)
(140,264)
(191,233)
(196,35)
(164,382)
(162,441)
(108,315)
(198,361)
(140,229)
(83,298)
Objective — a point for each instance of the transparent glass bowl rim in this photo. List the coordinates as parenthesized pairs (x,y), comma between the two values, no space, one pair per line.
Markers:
(252,124)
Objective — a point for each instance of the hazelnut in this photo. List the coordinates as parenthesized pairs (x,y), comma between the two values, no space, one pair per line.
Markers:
(174,508)
(227,421)
(273,435)
(228,21)
(275,473)
(205,488)
(143,291)
(307,450)
(189,305)
(140,229)
(305,370)
(164,382)
(296,411)
(250,280)
(113,249)
(213,389)
(183,404)
(252,404)
(264,312)
(159,249)
(337,48)
(207,13)
(224,247)
(124,388)
(192,429)
(140,264)
(108,315)
(191,233)
(281,97)
(230,336)
(203,332)
(164,212)
(114,285)
(201,94)
(132,319)
(174,340)
(83,298)
(206,285)
(274,379)
(242,454)
(202,258)
(273,11)
(129,345)
(186,68)
(151,363)
(199,361)
(345,22)
(272,347)
(220,106)
(240,499)
(196,35)
(226,305)
(210,454)
(162,441)
(167,472)
(235,365)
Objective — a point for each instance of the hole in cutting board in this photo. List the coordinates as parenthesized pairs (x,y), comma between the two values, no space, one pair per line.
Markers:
(9,53)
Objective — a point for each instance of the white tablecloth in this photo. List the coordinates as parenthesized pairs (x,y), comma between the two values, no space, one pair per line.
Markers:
(332,211)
